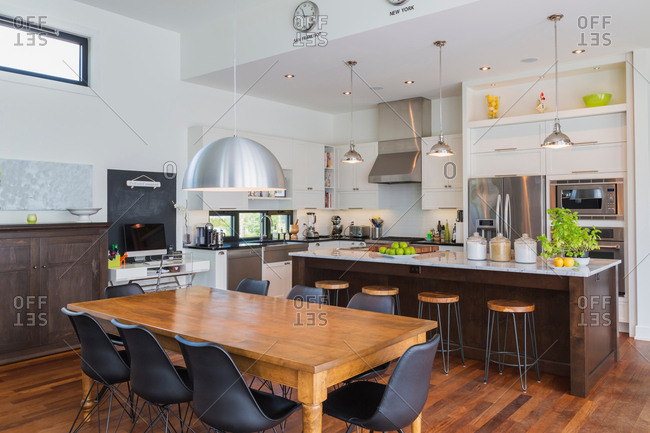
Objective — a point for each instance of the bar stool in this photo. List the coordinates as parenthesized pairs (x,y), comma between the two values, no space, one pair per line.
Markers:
(334,285)
(384,291)
(438,298)
(511,307)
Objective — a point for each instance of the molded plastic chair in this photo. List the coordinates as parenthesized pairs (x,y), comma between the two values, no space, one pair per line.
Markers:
(307,294)
(378,304)
(153,376)
(104,364)
(123,290)
(255,287)
(390,407)
(221,398)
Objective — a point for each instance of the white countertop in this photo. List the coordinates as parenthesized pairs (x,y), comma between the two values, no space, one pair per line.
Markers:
(450,259)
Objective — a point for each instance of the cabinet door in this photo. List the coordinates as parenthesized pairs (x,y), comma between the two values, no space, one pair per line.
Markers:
(368,152)
(308,199)
(606,128)
(506,137)
(323,245)
(24,310)
(358,200)
(595,158)
(516,163)
(274,273)
(226,200)
(444,172)
(69,273)
(309,167)
(442,199)
(346,175)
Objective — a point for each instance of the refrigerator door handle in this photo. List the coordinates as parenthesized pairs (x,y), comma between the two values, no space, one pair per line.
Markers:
(506,217)
(499,214)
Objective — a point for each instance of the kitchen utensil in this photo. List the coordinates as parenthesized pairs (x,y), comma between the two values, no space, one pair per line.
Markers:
(376,233)
(294,229)
(597,99)
(337,228)
(310,232)
(200,238)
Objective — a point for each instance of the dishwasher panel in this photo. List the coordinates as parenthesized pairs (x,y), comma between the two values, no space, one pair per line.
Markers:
(244,263)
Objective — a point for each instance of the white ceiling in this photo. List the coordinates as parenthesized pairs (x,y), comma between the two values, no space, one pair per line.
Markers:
(498,33)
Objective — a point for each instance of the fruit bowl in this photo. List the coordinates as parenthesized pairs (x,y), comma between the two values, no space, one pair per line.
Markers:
(597,99)
(84,213)
(403,256)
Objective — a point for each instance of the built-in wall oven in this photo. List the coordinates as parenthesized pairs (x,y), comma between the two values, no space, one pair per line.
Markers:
(591,198)
(612,246)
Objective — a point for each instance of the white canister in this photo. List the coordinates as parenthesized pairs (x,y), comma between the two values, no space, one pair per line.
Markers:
(476,247)
(525,249)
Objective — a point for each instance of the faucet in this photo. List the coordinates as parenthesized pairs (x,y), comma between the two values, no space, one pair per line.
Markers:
(262,218)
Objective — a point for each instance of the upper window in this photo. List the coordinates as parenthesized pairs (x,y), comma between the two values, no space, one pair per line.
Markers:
(28,47)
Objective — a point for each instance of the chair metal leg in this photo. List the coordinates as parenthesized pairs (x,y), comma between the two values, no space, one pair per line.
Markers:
(399,311)
(460,331)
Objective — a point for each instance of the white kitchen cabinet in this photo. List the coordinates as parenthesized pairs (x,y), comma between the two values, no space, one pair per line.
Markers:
(217,276)
(323,245)
(444,172)
(358,200)
(502,138)
(509,163)
(442,198)
(308,199)
(601,129)
(349,244)
(280,147)
(353,189)
(279,276)
(308,170)
(589,158)
(226,200)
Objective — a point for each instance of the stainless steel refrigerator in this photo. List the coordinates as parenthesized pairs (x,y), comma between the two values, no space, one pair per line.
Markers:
(509,205)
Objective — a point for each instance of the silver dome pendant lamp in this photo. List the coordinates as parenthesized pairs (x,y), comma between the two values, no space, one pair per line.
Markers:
(234,163)
(351,156)
(441,148)
(556,139)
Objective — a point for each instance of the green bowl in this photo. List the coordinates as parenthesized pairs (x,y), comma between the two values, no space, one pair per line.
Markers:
(597,99)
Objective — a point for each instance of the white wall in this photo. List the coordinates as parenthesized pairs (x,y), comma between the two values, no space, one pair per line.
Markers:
(136,86)
(366,126)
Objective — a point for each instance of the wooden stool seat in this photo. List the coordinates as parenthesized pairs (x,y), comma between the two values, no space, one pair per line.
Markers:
(438,297)
(332,284)
(380,290)
(510,306)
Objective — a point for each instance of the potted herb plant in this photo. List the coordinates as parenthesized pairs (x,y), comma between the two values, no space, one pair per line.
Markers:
(568,239)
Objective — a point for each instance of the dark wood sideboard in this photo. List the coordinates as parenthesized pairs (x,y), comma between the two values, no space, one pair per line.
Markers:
(44,267)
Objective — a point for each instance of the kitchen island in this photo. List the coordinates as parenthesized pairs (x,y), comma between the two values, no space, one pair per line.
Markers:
(575,308)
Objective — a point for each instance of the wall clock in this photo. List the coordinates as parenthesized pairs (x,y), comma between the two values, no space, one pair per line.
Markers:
(305,16)
(397,2)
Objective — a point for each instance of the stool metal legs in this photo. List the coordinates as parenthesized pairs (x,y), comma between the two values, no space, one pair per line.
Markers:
(440,330)
(501,352)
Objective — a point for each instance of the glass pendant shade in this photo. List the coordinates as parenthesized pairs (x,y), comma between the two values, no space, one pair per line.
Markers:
(556,139)
(352,156)
(234,164)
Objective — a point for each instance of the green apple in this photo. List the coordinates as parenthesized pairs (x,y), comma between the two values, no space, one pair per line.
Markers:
(399,251)
(410,251)
(403,245)
(395,245)
(390,252)
(382,250)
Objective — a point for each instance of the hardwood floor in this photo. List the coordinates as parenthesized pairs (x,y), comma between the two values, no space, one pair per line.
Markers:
(43,395)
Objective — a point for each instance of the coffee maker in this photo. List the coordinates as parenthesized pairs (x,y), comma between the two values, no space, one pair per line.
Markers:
(310,232)
(337,228)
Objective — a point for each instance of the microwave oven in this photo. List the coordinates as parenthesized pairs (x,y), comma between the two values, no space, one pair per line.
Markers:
(591,198)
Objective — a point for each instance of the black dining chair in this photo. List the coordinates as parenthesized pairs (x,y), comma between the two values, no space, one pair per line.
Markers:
(120,290)
(154,378)
(378,304)
(391,407)
(222,400)
(105,365)
(302,293)
(255,287)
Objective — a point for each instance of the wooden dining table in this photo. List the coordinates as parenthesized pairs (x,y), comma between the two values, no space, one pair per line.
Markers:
(306,346)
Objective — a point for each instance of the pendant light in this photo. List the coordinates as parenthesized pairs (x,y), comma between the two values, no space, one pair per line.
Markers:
(440,148)
(556,140)
(351,156)
(234,163)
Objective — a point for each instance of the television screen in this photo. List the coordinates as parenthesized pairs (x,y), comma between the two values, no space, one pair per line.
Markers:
(144,239)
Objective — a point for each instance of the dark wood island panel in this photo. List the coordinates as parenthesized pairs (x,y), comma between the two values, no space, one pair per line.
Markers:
(575,316)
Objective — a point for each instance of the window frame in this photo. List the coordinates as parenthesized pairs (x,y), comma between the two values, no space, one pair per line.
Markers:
(52,33)
(235,218)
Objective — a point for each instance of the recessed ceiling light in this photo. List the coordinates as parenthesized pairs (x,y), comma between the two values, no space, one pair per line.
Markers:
(409,82)
(347,92)
(377,88)
(289,76)
(596,68)
(529,60)
(493,84)
(485,68)
(578,51)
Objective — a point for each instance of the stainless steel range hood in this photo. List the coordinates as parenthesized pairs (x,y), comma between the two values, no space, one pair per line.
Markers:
(401,126)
